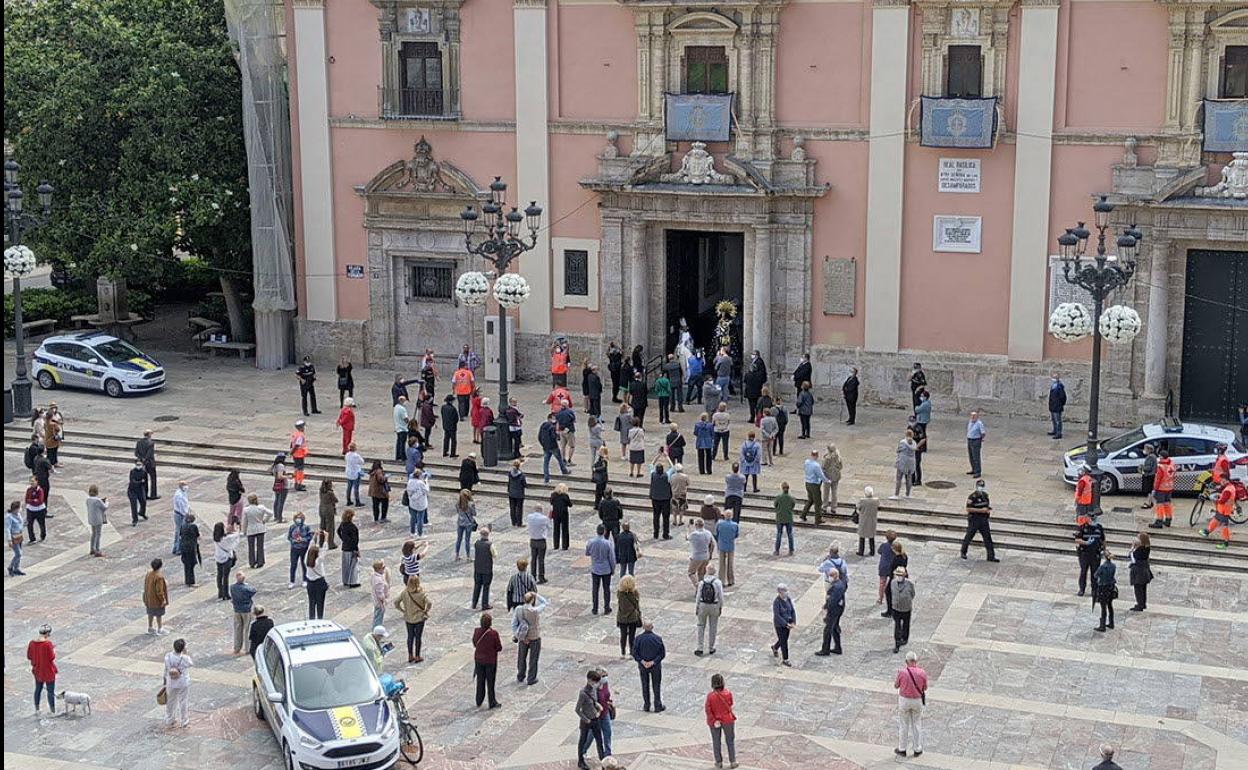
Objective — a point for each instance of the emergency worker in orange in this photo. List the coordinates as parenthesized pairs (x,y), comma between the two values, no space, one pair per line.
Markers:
(559,365)
(463,382)
(1163,491)
(299,452)
(1221,468)
(1223,507)
(1083,493)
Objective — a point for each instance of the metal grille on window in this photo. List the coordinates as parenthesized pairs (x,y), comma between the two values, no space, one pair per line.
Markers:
(576,273)
(431,280)
(421,77)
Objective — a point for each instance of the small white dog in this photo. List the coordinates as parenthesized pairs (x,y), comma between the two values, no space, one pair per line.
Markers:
(74,700)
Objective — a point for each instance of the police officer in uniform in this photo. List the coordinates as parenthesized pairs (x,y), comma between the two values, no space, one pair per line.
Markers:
(978,511)
(306,374)
(1089,542)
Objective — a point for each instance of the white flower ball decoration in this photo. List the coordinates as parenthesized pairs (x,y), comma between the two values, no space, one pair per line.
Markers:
(19,261)
(511,290)
(1070,321)
(1120,324)
(472,288)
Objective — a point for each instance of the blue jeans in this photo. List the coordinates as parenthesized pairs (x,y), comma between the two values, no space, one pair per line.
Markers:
(723,383)
(15,564)
(1057,423)
(782,528)
(605,720)
(417,521)
(379,614)
(178,521)
(465,534)
(51,694)
(353,492)
(546,455)
(297,556)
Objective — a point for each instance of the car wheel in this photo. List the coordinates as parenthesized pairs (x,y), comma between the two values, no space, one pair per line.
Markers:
(290,758)
(112,388)
(1109,484)
(257,703)
(46,380)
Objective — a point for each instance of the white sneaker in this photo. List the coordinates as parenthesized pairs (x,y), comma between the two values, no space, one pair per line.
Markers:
(893,497)
(162,632)
(290,586)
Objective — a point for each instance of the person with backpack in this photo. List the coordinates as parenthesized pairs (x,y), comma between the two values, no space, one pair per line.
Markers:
(299,535)
(751,459)
(833,561)
(708,605)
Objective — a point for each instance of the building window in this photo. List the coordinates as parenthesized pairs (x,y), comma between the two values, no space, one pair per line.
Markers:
(420,79)
(706,69)
(430,281)
(576,272)
(964,72)
(1234,81)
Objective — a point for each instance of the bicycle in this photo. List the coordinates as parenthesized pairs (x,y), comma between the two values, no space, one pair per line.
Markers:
(410,745)
(1205,492)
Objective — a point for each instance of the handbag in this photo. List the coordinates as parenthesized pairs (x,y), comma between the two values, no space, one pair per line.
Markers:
(922,693)
(405,500)
(854,517)
(162,696)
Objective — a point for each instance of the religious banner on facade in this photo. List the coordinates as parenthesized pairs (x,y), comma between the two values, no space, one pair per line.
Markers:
(1226,125)
(698,117)
(969,123)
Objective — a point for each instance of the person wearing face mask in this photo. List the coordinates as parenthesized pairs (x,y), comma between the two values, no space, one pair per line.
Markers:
(978,511)
(1057,404)
(300,537)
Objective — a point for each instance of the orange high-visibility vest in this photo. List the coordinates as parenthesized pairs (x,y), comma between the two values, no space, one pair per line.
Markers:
(1164,480)
(298,444)
(463,381)
(1221,469)
(558,362)
(1083,490)
(1225,502)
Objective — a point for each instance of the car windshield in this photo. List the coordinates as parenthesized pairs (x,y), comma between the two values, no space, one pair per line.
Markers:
(116,350)
(329,684)
(1122,440)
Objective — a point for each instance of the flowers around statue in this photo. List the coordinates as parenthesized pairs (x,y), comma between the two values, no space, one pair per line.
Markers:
(19,260)
(472,288)
(1120,324)
(511,289)
(1070,321)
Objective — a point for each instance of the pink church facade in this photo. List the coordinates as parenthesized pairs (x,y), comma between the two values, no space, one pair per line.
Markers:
(842,213)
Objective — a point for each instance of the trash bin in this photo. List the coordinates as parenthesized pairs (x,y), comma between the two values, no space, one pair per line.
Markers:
(489,446)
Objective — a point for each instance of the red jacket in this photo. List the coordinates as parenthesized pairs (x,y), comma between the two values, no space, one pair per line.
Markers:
(486,646)
(1164,480)
(719,707)
(1221,469)
(1225,502)
(346,419)
(1083,490)
(35,498)
(42,657)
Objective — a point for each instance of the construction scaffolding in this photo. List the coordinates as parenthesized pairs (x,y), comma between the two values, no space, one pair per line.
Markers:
(257,30)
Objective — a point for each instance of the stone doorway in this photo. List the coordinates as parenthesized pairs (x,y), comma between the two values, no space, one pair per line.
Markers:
(703,268)
(1214,379)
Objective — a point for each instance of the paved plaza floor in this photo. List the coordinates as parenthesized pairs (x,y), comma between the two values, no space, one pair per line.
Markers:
(1019,679)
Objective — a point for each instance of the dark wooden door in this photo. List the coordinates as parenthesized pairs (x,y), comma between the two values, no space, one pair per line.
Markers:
(1214,381)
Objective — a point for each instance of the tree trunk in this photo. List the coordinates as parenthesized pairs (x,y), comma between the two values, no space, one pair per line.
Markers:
(239,332)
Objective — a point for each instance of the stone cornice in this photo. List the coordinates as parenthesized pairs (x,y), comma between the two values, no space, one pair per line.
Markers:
(1040,3)
(529,4)
(890,3)
(308,3)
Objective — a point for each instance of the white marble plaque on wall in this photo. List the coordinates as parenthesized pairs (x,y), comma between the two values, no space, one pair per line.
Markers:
(840,286)
(956,233)
(1060,291)
(958,175)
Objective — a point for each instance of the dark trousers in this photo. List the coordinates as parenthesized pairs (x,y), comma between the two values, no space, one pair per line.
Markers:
(1088,562)
(223,580)
(343,393)
(733,503)
(527,656)
(298,558)
(780,441)
(189,560)
(706,458)
(316,598)
(603,583)
(615,387)
(805,420)
(851,406)
(782,641)
(720,438)
(381,508)
(1107,611)
(973,447)
(481,588)
(863,542)
(448,442)
(308,395)
(462,403)
(651,681)
(561,532)
(40,518)
(400,445)
(415,635)
(595,406)
(537,555)
(753,402)
(832,632)
(978,525)
(484,673)
(664,409)
(901,628)
(628,633)
(1141,595)
(591,731)
(639,411)
(138,503)
(662,513)
(693,389)
(515,506)
(255,551)
(151,481)
(916,478)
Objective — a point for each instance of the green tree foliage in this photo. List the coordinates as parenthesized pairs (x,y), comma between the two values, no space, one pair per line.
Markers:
(131,109)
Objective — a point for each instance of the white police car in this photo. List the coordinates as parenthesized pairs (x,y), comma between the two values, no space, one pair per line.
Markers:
(1192,447)
(315,687)
(97,362)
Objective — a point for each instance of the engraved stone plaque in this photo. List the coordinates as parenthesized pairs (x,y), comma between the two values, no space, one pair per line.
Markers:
(840,277)
(1060,291)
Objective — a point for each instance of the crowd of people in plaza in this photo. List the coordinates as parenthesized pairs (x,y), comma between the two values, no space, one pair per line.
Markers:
(710,526)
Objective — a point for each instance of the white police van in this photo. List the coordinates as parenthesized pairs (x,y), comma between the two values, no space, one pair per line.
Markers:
(95,361)
(326,706)
(1192,448)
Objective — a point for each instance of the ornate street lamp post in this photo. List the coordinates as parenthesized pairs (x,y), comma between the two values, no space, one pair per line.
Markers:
(1100,277)
(499,244)
(19,261)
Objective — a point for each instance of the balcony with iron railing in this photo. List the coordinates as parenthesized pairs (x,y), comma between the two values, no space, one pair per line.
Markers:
(418,103)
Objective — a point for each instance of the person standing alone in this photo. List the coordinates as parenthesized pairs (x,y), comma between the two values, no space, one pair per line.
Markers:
(911,686)
(975,433)
(306,374)
(1057,405)
(722,721)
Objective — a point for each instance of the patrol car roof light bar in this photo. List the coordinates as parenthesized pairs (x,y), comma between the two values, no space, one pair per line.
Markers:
(17,264)
(1099,277)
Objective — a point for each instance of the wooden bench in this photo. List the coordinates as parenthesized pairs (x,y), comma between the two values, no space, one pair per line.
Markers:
(243,348)
(30,327)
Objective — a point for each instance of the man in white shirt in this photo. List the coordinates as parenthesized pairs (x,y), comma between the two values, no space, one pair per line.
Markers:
(538,524)
(401,419)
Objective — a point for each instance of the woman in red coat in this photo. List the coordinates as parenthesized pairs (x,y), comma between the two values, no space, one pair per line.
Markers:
(42,656)
(486,646)
(346,421)
(474,415)
(482,416)
(722,721)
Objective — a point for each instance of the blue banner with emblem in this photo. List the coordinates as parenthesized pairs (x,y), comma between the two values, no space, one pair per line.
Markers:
(1226,125)
(698,117)
(966,123)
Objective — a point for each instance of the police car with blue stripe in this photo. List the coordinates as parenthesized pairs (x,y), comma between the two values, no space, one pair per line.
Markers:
(1192,447)
(326,705)
(96,361)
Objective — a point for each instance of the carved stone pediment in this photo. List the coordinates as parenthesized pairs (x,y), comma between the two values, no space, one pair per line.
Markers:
(698,168)
(1234,182)
(423,175)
